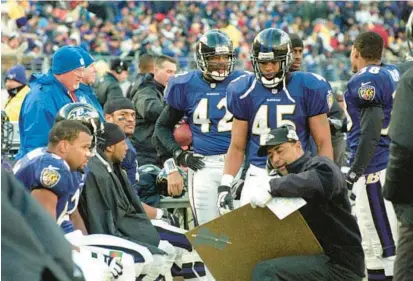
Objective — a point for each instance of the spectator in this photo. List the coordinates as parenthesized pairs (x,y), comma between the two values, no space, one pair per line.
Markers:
(16,85)
(148,102)
(48,93)
(108,88)
(85,92)
(146,66)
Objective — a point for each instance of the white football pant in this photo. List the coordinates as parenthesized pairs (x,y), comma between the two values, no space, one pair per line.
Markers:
(377,221)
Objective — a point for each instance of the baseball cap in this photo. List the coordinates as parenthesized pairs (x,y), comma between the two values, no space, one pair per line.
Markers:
(276,137)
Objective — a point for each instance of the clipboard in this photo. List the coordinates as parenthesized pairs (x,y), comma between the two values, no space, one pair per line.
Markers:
(233,244)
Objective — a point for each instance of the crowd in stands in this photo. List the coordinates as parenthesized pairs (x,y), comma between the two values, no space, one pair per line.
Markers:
(129,28)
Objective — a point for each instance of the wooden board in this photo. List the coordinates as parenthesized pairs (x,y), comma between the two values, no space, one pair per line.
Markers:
(233,244)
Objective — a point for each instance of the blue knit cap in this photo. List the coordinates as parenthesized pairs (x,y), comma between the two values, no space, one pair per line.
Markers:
(66,59)
(85,55)
(17,73)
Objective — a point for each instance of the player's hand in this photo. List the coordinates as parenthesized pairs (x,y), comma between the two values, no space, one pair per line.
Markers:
(262,194)
(236,189)
(189,159)
(115,267)
(335,125)
(225,202)
(170,218)
(175,183)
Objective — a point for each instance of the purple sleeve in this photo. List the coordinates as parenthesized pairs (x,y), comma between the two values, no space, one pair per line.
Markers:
(235,104)
(318,99)
(174,95)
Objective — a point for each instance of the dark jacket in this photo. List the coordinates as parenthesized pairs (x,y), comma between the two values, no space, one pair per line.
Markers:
(109,206)
(108,88)
(31,241)
(320,182)
(148,102)
(398,187)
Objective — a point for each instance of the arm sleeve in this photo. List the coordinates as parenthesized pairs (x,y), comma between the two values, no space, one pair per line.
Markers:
(313,183)
(371,121)
(114,92)
(175,95)
(54,178)
(147,105)
(235,104)
(165,125)
(317,98)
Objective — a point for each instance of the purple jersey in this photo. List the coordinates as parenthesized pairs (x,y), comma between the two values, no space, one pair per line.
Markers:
(371,86)
(40,169)
(265,109)
(205,106)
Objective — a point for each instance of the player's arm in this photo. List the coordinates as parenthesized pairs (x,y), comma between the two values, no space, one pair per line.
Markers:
(164,132)
(371,122)
(236,151)
(47,199)
(320,131)
(164,127)
(78,222)
(317,182)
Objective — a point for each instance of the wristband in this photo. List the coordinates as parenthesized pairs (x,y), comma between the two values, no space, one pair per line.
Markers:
(159,214)
(227,180)
(170,166)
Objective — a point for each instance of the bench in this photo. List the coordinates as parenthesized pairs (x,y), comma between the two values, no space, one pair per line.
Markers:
(177,203)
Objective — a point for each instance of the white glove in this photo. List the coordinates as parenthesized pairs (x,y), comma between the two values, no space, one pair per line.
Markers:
(115,267)
(262,194)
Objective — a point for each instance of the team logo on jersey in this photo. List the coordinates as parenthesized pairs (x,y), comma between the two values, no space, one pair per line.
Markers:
(367,92)
(330,99)
(49,177)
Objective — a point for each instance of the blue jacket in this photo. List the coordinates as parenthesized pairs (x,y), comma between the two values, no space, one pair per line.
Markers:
(85,94)
(47,95)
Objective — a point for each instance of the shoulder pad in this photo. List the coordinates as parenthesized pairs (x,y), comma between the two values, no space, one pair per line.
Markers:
(50,176)
(242,83)
(183,78)
(310,80)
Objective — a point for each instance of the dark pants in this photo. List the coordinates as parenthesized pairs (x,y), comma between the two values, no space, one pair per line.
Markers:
(305,268)
(403,266)
(339,150)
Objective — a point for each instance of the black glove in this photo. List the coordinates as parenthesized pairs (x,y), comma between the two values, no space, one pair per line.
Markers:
(351,178)
(170,218)
(189,159)
(225,202)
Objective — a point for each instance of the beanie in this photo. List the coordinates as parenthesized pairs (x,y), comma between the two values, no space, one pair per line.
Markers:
(17,73)
(117,104)
(296,41)
(85,55)
(66,59)
(112,135)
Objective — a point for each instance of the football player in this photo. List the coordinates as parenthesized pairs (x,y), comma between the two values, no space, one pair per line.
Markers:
(369,101)
(201,96)
(271,98)
(65,192)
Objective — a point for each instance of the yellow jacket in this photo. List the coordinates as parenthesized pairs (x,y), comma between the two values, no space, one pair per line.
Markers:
(14,104)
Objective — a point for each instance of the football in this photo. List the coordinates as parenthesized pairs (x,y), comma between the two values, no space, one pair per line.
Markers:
(183,135)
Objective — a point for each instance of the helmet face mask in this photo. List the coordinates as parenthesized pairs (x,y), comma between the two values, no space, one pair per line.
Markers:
(84,113)
(271,47)
(214,55)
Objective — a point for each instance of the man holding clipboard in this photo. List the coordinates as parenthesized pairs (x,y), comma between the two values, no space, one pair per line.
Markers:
(320,183)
